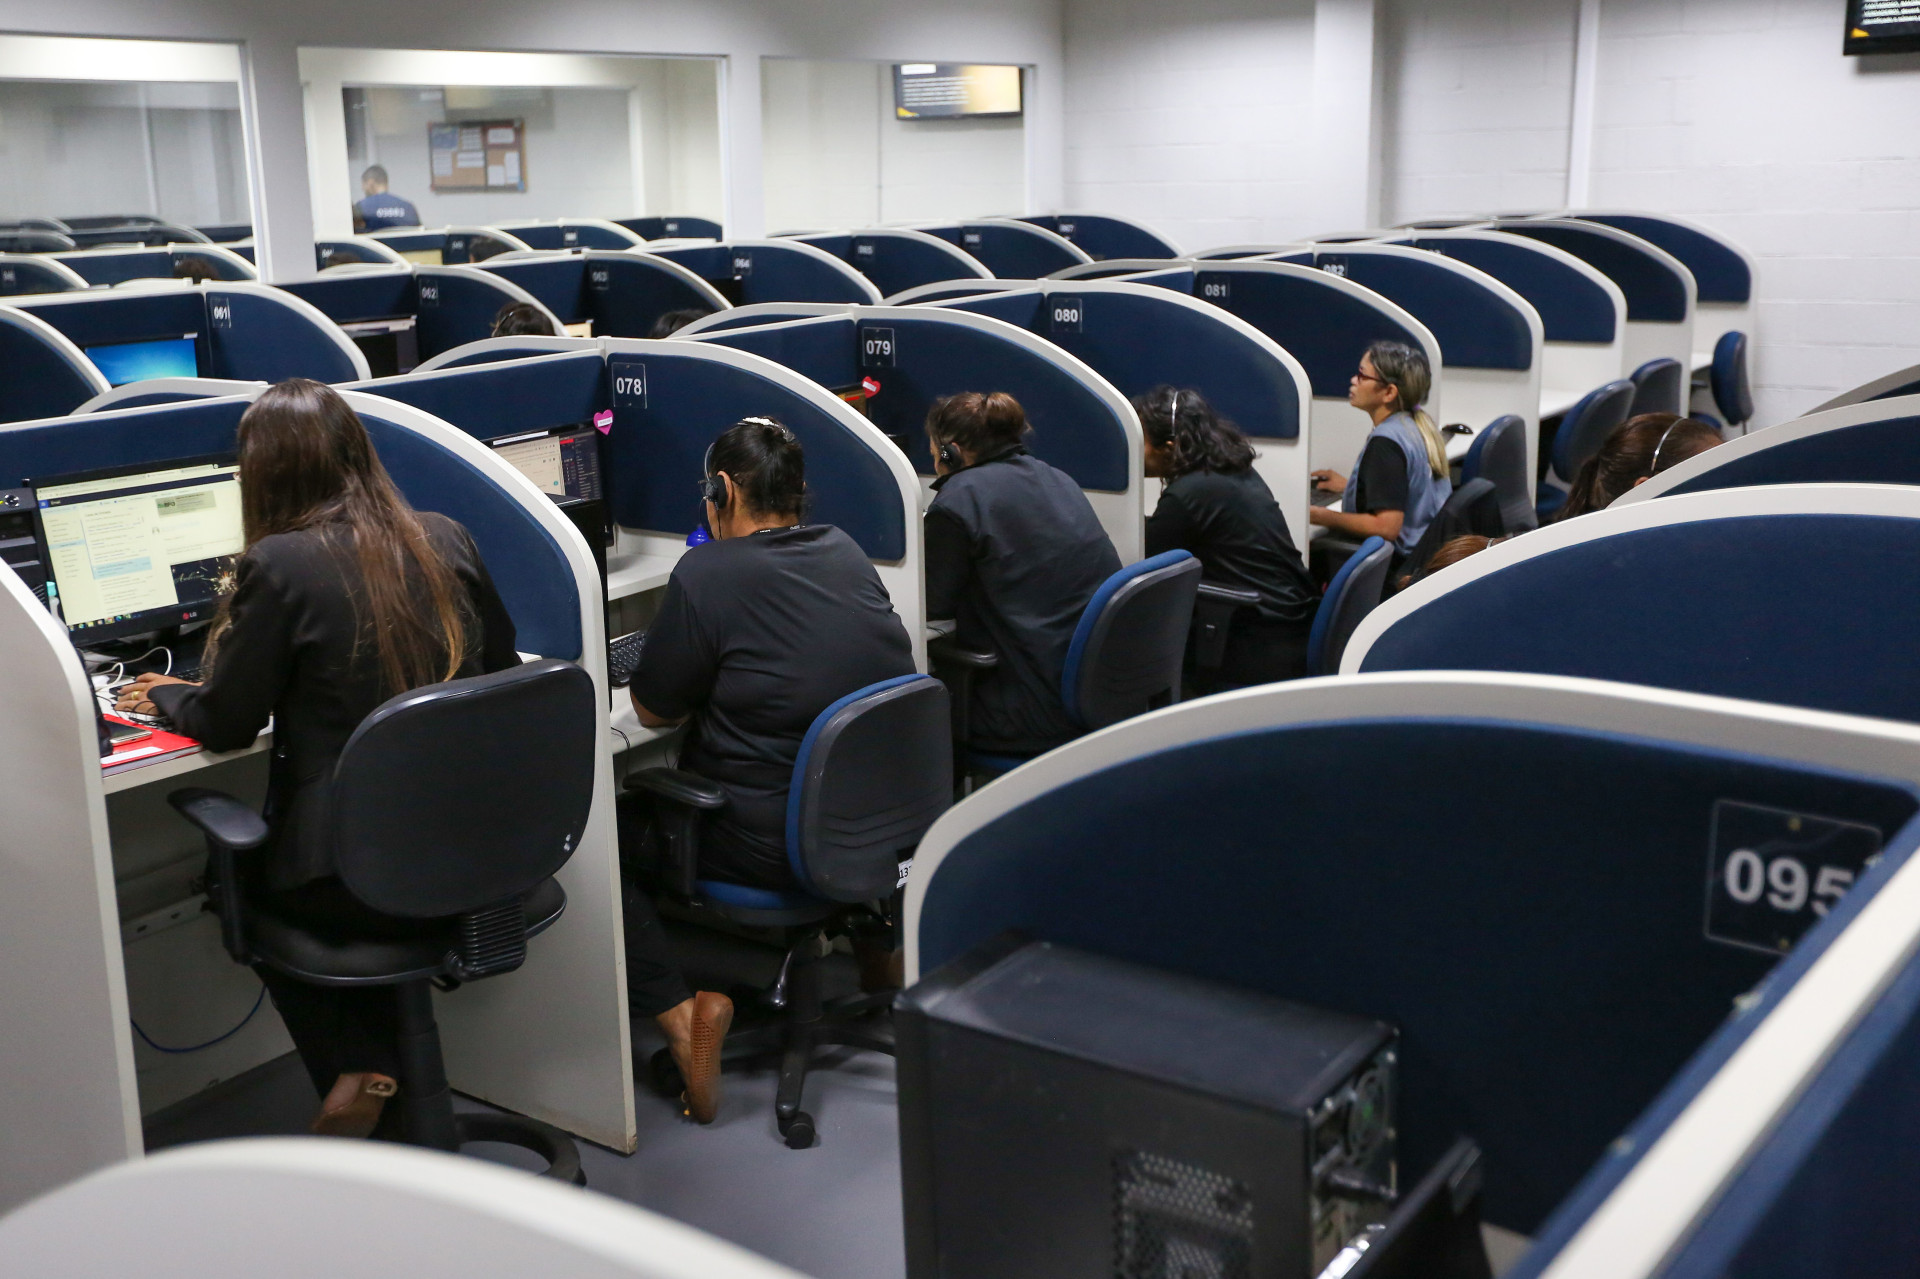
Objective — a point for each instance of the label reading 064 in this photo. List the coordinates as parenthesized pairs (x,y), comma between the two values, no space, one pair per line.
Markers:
(1771,874)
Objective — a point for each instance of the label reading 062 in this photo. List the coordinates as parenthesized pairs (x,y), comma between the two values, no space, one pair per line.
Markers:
(1333,265)
(1771,874)
(876,348)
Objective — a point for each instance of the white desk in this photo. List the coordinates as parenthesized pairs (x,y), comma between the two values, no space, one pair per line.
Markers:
(1555,401)
(637,574)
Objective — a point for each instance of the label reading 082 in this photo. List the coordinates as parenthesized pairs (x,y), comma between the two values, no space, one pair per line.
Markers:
(1771,874)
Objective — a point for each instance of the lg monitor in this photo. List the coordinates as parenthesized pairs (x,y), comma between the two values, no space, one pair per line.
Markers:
(124,362)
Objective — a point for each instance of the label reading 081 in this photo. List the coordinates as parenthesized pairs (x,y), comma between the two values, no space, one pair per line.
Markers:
(1771,874)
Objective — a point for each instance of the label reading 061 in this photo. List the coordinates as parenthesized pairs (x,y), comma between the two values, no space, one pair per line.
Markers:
(1771,874)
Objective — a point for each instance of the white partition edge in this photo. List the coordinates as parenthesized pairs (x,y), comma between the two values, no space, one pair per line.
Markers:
(775,313)
(216,252)
(74,356)
(387,253)
(1133,222)
(1052,237)
(195,388)
(906,578)
(68,276)
(1879,748)
(1897,500)
(992,284)
(1866,391)
(1816,423)
(553,1039)
(531,343)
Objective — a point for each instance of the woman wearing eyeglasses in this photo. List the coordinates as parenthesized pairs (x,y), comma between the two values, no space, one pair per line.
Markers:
(1400,480)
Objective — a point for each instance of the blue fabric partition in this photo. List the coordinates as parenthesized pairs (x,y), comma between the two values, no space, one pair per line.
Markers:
(896,263)
(1801,609)
(1719,273)
(540,237)
(1536,937)
(1476,328)
(260,337)
(770,272)
(349,250)
(100,318)
(754,319)
(670,406)
(1024,307)
(626,294)
(672,228)
(1012,252)
(1572,307)
(115,266)
(1320,326)
(558,283)
(241,250)
(823,349)
(37,379)
(1101,237)
(455,308)
(358,295)
(526,563)
(1653,291)
(1883,452)
(490,400)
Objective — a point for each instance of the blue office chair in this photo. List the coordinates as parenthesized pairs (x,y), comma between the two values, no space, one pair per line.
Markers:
(1583,430)
(1732,393)
(1659,386)
(874,772)
(1125,658)
(1499,453)
(1354,592)
(1472,508)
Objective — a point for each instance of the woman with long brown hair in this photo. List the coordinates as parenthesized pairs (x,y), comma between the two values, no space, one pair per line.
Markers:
(345,596)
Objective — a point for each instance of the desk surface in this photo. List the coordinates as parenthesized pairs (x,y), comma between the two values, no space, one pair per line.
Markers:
(1554,401)
(637,574)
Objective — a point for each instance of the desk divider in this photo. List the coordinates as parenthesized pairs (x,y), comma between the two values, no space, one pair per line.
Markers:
(457,245)
(627,291)
(1658,288)
(573,233)
(1873,442)
(1101,235)
(170,390)
(42,372)
(456,305)
(37,273)
(673,227)
(777,270)
(897,258)
(348,297)
(356,248)
(1722,270)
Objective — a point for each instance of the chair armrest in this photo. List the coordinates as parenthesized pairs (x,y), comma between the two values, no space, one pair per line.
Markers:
(956,666)
(231,828)
(679,799)
(1213,612)
(1214,593)
(948,651)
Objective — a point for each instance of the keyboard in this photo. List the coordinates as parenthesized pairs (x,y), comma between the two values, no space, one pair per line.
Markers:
(623,658)
(1324,497)
(108,696)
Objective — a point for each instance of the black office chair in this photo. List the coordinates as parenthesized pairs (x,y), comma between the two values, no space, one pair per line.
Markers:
(1474,507)
(1125,658)
(454,805)
(1499,454)
(1732,393)
(1583,430)
(1659,386)
(1355,591)
(874,772)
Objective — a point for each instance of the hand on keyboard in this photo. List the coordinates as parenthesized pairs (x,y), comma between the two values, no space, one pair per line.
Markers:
(132,700)
(623,658)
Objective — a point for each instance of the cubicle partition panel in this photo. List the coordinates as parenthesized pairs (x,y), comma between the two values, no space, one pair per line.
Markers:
(673,228)
(898,258)
(626,292)
(352,297)
(749,271)
(1118,267)
(1138,337)
(355,248)
(1722,271)
(1015,250)
(170,390)
(1779,593)
(37,273)
(1101,235)
(115,266)
(1899,383)
(491,350)
(944,290)
(557,281)
(1540,1030)
(1658,289)
(743,317)
(456,245)
(456,305)
(494,399)
(226,264)
(42,372)
(822,349)
(1583,313)
(1874,442)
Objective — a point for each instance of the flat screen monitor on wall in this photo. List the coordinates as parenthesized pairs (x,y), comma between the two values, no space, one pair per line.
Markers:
(1882,26)
(942,90)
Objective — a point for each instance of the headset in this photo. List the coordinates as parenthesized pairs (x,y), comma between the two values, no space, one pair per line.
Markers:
(712,487)
(1653,467)
(950,457)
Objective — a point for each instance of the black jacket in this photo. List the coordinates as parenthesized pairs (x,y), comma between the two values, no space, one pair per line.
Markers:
(1014,552)
(290,653)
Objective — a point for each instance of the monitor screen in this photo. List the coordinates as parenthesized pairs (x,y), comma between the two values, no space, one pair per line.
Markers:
(138,548)
(124,362)
(1882,26)
(934,90)
(422,257)
(563,462)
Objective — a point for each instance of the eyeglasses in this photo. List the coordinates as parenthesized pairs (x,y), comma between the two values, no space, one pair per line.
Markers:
(1365,376)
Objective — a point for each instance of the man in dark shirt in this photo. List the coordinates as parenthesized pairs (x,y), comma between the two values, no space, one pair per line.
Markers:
(1014,552)
(379,208)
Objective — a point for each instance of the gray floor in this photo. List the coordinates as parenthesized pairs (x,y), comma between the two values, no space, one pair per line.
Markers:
(832,1211)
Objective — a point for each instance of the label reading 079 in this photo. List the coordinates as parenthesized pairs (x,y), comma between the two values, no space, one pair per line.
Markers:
(1771,874)
(876,348)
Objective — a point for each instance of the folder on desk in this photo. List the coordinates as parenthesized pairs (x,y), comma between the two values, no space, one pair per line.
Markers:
(147,750)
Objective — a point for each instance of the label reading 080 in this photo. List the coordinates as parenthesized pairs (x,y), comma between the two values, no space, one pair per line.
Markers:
(1771,874)
(1065,313)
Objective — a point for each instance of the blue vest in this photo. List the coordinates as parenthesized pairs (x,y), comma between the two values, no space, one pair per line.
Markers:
(385,210)
(1426,492)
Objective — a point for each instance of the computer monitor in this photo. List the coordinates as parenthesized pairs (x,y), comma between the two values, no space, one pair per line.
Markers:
(564,463)
(422,257)
(124,362)
(138,548)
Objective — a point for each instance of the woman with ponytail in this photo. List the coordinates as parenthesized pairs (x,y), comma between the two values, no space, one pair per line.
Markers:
(1400,480)
(1217,506)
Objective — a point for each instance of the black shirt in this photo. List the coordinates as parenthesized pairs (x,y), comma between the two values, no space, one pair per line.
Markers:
(1231,523)
(1014,552)
(1381,484)
(290,652)
(755,637)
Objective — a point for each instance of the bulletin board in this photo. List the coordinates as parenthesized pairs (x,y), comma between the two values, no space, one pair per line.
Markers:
(478,155)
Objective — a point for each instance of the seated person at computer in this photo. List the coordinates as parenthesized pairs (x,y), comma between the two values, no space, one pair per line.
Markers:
(760,630)
(1217,506)
(1634,452)
(378,208)
(1400,480)
(672,322)
(1014,552)
(345,596)
(522,319)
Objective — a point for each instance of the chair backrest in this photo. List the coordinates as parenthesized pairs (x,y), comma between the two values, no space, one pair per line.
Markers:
(1127,651)
(1474,507)
(874,772)
(1499,454)
(1354,592)
(1587,424)
(512,759)
(1731,390)
(1658,387)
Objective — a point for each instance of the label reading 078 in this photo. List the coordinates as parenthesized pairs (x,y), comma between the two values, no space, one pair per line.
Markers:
(1771,874)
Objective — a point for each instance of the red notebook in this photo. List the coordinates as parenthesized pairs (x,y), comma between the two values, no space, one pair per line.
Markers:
(147,750)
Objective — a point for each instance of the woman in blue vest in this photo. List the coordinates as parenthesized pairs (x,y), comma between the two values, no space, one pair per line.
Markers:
(1400,479)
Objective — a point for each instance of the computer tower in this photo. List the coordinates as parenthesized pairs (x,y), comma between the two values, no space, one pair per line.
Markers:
(1063,1113)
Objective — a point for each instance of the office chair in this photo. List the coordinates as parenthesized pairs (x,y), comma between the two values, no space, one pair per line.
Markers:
(1583,430)
(874,772)
(1659,386)
(1732,393)
(1354,592)
(1125,658)
(1474,507)
(1499,453)
(471,856)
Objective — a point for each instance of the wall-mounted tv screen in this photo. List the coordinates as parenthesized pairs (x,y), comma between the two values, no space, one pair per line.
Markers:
(1883,26)
(942,90)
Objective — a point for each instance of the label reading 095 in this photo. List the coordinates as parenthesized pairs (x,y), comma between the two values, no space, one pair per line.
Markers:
(1771,874)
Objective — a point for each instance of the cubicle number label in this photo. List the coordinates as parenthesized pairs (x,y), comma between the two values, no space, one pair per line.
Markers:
(429,295)
(1771,874)
(1334,266)
(8,278)
(1065,314)
(1214,289)
(742,265)
(629,382)
(570,237)
(863,249)
(601,278)
(1066,229)
(969,239)
(876,348)
(220,311)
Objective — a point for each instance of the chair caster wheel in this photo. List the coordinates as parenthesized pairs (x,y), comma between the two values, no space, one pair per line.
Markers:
(798,1130)
(663,1075)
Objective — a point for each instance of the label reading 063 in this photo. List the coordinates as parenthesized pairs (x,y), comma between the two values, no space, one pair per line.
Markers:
(1771,874)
